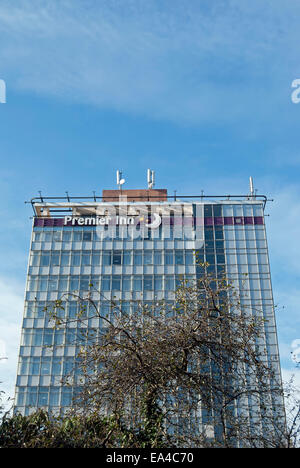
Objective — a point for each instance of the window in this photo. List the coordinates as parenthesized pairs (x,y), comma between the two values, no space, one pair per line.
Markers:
(148,282)
(189,258)
(137,283)
(158,284)
(45,366)
(157,257)
(77,236)
(210,258)
(106,258)
(87,236)
(84,283)
(57,236)
(53,283)
(56,366)
(32,283)
(45,259)
(117,258)
(31,396)
(26,338)
(169,283)
(59,337)
(126,283)
(34,367)
(218,233)
(220,258)
(95,259)
(67,235)
(48,337)
(43,282)
(207,211)
(95,281)
(75,259)
(148,258)
(106,283)
(37,337)
(179,257)
(217,210)
(138,259)
(169,257)
(74,283)
(63,283)
(86,258)
(54,397)
(65,259)
(126,257)
(34,259)
(66,397)
(116,283)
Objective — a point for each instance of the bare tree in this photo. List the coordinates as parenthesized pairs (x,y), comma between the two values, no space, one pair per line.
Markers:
(191,374)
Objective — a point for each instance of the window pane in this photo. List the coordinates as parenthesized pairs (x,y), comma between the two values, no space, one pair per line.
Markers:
(178,257)
(106,258)
(117,258)
(63,283)
(116,283)
(96,259)
(53,284)
(138,260)
(137,283)
(77,236)
(189,258)
(34,259)
(169,257)
(75,259)
(147,258)
(65,259)
(67,236)
(106,283)
(86,258)
(84,283)
(87,236)
(158,283)
(74,283)
(126,283)
(169,283)
(45,260)
(148,282)
(157,257)
(127,257)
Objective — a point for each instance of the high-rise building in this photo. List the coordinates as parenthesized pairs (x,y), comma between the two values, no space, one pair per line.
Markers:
(133,245)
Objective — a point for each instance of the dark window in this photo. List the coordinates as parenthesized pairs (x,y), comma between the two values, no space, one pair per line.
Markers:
(209,234)
(218,233)
(207,211)
(117,258)
(217,211)
(87,236)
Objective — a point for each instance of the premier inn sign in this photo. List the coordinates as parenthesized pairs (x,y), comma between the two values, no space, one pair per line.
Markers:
(112,221)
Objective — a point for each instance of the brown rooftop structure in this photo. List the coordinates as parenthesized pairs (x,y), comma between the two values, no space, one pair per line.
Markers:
(141,195)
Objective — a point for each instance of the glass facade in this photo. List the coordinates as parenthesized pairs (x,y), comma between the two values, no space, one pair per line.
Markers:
(71,258)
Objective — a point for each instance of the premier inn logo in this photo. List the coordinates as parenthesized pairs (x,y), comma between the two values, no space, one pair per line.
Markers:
(152,223)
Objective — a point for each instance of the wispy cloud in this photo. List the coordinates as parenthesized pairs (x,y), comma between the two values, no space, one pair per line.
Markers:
(191,61)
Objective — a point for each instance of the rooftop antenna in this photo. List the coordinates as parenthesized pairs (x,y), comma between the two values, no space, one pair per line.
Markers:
(251,187)
(120,180)
(150,178)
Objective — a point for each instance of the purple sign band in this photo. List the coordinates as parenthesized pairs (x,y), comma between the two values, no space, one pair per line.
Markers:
(177,221)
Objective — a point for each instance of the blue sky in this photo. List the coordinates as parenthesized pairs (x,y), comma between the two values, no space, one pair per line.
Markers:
(199,91)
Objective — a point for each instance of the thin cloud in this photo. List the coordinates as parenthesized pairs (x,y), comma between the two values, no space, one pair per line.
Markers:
(184,62)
